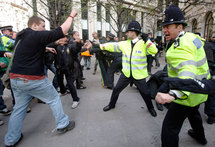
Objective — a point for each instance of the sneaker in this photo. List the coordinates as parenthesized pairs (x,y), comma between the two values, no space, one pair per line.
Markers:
(81,87)
(1,122)
(5,112)
(28,110)
(75,104)
(69,127)
(201,140)
(16,142)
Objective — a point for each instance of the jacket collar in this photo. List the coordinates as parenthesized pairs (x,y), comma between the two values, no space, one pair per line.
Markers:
(135,40)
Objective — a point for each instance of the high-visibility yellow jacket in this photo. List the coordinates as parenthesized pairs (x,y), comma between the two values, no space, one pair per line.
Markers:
(186,59)
(134,59)
(8,43)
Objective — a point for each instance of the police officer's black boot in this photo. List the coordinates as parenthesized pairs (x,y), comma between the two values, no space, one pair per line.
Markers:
(153,112)
(211,119)
(159,106)
(108,107)
(201,140)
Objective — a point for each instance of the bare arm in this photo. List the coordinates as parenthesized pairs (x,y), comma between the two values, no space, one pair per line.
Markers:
(66,25)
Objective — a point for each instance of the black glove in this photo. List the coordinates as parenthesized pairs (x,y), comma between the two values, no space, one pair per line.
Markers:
(144,36)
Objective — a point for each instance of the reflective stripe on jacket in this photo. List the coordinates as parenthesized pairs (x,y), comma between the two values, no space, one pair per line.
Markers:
(134,60)
(186,59)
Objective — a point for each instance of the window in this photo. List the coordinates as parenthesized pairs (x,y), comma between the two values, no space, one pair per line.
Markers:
(194,26)
(99,16)
(208,26)
(84,9)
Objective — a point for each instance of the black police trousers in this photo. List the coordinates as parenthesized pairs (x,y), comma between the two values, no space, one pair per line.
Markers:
(114,66)
(173,122)
(123,83)
(70,78)
(210,105)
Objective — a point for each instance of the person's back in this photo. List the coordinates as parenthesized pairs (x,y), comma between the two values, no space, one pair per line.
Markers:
(28,59)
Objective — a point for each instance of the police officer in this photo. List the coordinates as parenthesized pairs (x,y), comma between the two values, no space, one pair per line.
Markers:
(7,40)
(134,65)
(185,59)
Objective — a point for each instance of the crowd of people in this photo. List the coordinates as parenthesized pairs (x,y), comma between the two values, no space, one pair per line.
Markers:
(61,52)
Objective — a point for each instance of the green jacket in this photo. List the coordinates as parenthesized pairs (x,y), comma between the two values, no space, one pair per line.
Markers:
(134,60)
(186,59)
(5,60)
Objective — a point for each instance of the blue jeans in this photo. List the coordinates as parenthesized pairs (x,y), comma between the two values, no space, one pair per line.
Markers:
(87,61)
(53,69)
(24,90)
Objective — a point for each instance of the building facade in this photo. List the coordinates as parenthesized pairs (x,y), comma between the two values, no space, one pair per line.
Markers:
(17,12)
(93,17)
(200,17)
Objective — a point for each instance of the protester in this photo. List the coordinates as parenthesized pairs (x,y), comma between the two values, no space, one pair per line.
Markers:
(28,78)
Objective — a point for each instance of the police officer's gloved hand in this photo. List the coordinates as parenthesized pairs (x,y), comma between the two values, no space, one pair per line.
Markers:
(144,36)
(95,48)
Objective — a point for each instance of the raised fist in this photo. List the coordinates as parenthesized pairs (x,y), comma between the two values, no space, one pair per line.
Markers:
(73,13)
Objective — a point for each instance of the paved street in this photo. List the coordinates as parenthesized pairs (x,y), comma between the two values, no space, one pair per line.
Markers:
(128,125)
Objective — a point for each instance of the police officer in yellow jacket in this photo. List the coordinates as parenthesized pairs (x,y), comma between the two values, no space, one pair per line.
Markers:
(186,59)
(7,40)
(134,65)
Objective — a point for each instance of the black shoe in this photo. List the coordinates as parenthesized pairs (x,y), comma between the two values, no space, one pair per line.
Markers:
(211,120)
(108,107)
(16,142)
(159,106)
(81,87)
(69,127)
(109,87)
(153,112)
(88,68)
(5,112)
(82,78)
(200,140)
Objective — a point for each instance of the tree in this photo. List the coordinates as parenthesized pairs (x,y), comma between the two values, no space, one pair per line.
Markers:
(57,10)
(121,12)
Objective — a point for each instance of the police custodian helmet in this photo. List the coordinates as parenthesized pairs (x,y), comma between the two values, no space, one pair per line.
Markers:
(173,15)
(134,26)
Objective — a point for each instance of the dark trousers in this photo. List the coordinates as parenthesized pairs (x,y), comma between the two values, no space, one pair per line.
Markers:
(210,105)
(70,83)
(2,105)
(123,83)
(114,66)
(150,59)
(173,122)
(103,68)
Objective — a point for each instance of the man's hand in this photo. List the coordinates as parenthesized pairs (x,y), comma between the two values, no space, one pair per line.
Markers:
(87,44)
(3,65)
(164,98)
(78,39)
(52,50)
(73,13)
(7,54)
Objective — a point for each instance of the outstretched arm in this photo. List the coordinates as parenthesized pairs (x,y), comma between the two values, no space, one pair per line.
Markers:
(192,85)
